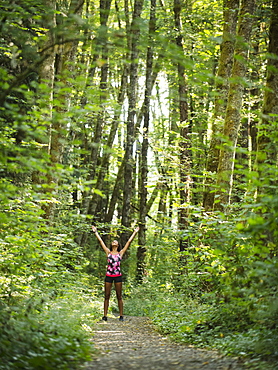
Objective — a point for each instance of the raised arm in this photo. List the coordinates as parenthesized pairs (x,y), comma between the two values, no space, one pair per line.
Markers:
(129,241)
(106,250)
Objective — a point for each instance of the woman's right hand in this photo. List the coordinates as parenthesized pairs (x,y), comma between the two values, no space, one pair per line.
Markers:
(94,229)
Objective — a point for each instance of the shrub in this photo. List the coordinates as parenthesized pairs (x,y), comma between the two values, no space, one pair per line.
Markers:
(46,334)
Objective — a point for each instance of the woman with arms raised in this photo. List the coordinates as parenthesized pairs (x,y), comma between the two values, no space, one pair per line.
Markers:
(113,273)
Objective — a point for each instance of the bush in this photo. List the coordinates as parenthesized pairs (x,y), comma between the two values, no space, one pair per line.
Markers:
(47,334)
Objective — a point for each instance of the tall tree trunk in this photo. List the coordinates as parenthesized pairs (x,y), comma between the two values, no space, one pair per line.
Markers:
(93,160)
(267,149)
(118,182)
(153,197)
(230,16)
(141,251)
(162,188)
(104,12)
(185,153)
(130,129)
(104,166)
(64,54)
(95,199)
(65,51)
(46,69)
(116,193)
(233,115)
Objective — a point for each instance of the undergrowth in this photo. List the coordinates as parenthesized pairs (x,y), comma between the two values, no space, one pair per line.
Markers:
(206,323)
(48,332)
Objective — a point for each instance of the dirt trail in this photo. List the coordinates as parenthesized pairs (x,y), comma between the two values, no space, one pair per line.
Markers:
(134,344)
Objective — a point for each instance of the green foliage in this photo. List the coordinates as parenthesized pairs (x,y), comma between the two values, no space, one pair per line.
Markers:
(222,291)
(208,323)
(47,305)
(47,333)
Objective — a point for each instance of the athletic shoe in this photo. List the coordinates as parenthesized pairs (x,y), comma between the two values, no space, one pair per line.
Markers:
(121,318)
(104,318)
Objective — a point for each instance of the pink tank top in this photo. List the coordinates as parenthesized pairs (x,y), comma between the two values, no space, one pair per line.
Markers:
(113,265)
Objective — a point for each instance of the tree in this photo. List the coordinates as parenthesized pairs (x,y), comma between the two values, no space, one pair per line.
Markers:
(267,150)
(130,127)
(235,97)
(145,144)
(230,16)
(185,153)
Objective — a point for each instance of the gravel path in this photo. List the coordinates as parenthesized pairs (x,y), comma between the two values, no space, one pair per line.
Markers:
(134,344)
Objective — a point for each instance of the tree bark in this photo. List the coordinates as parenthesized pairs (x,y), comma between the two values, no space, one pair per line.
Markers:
(116,193)
(104,12)
(95,199)
(141,251)
(267,150)
(46,72)
(104,166)
(233,115)
(184,144)
(230,16)
(130,128)
(64,56)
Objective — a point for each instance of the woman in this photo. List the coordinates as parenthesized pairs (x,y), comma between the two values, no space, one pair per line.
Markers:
(113,273)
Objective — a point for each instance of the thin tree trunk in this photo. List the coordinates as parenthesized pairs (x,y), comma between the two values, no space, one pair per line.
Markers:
(115,193)
(130,129)
(94,201)
(104,12)
(153,197)
(47,70)
(63,55)
(185,153)
(107,154)
(118,183)
(230,16)
(140,116)
(233,115)
(141,251)
(267,150)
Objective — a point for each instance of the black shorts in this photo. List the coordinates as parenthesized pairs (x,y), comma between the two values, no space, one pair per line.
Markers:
(115,279)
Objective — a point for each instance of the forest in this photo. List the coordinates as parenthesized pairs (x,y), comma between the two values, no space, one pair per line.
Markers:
(161,114)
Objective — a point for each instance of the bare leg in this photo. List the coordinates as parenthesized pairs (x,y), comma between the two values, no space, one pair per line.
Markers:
(118,287)
(107,292)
